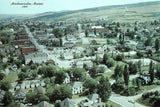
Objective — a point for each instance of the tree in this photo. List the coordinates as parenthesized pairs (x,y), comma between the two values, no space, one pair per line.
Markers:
(5,85)
(61,92)
(126,75)
(151,72)
(104,88)
(157,44)
(30,97)
(2,75)
(59,76)
(91,84)
(95,31)
(110,62)
(22,76)
(93,71)
(119,57)
(23,69)
(138,83)
(7,99)
(139,54)
(34,74)
(78,74)
(106,56)
(86,33)
(118,71)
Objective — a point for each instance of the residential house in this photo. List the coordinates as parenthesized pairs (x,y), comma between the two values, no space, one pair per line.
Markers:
(20,95)
(30,84)
(67,103)
(93,100)
(44,104)
(145,76)
(79,64)
(39,90)
(36,57)
(21,105)
(77,87)
(140,46)
(68,44)
(67,79)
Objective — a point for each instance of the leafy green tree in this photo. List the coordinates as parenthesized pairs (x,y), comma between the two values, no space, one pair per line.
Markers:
(49,92)
(5,85)
(151,72)
(59,76)
(61,92)
(24,69)
(126,75)
(93,71)
(110,62)
(7,99)
(106,56)
(78,74)
(139,54)
(12,104)
(119,57)
(22,76)
(118,71)
(30,97)
(104,88)
(157,44)
(138,83)
(86,33)
(2,75)
(34,74)
(91,84)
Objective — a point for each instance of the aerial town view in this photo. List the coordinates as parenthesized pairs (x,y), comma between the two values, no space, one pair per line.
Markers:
(92,56)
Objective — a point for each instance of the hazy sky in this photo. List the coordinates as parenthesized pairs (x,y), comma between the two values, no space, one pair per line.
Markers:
(57,5)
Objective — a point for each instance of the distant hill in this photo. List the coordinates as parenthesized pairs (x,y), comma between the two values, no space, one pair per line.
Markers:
(130,12)
(123,13)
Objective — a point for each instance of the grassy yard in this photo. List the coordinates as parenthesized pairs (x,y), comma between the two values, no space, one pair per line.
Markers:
(11,78)
(109,103)
(75,96)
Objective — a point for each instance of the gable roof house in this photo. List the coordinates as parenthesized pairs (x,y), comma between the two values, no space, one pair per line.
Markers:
(67,103)
(36,57)
(77,87)
(44,104)
(93,100)
(67,79)
(20,95)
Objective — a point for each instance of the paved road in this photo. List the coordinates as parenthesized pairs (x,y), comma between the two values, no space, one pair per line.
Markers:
(123,100)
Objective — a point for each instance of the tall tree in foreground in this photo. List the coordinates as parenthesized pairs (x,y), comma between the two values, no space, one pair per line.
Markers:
(157,44)
(126,75)
(104,88)
(151,72)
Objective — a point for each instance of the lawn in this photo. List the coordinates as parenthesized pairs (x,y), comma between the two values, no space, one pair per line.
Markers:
(110,103)
(11,78)
(75,96)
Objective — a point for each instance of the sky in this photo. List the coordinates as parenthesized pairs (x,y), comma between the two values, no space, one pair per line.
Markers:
(57,5)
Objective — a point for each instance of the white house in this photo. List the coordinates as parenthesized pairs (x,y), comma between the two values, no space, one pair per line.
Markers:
(67,79)
(77,87)
(36,57)
(93,100)
(67,103)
